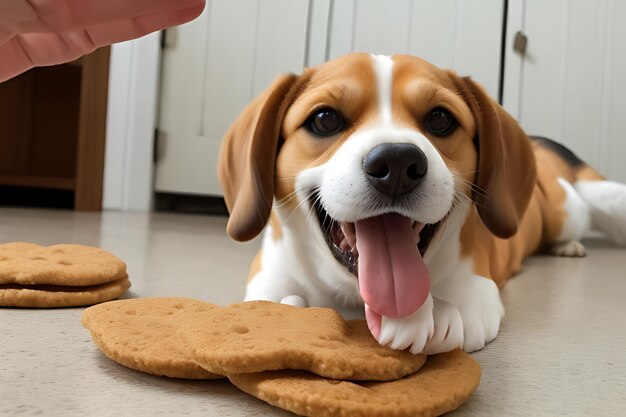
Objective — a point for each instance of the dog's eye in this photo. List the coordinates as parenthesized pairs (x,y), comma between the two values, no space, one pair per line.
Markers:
(325,122)
(440,122)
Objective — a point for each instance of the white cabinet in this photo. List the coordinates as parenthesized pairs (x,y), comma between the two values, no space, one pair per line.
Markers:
(465,35)
(570,85)
(215,65)
(212,67)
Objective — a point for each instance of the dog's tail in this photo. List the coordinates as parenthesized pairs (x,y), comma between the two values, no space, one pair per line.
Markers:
(605,200)
(607,203)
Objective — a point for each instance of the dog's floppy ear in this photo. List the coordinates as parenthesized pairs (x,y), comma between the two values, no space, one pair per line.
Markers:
(506,167)
(247,160)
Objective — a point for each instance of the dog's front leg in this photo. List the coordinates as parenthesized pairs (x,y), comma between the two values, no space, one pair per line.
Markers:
(270,287)
(412,332)
(435,328)
(478,302)
(448,334)
(294,300)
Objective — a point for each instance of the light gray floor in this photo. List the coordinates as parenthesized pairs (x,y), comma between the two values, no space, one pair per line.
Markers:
(561,349)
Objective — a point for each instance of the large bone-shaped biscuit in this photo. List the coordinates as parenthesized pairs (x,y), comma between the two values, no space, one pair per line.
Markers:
(261,336)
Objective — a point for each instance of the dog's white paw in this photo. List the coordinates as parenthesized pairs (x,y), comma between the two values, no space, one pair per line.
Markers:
(448,334)
(294,300)
(478,301)
(413,331)
(481,314)
(572,248)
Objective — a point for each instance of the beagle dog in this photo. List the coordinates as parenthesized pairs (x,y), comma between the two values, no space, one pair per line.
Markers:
(391,189)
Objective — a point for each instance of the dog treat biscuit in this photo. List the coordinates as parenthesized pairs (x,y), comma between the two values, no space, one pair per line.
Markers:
(54,296)
(141,334)
(72,265)
(260,336)
(59,276)
(440,386)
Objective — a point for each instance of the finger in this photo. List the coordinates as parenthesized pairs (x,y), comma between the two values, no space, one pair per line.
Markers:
(69,15)
(15,12)
(5,35)
(121,30)
(23,52)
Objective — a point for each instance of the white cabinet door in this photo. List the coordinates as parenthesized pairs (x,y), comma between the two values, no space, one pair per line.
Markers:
(571,83)
(215,65)
(464,35)
(212,68)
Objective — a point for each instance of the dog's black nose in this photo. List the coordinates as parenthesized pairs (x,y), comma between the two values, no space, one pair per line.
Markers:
(395,168)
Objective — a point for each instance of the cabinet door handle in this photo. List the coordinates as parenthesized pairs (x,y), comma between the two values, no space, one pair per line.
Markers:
(520,42)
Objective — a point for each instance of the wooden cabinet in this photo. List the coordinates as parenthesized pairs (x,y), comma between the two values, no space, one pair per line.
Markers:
(52,130)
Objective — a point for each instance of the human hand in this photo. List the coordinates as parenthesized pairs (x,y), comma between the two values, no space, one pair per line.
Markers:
(48,32)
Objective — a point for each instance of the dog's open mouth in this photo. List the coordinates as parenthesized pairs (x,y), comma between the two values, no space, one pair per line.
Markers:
(341,237)
(385,254)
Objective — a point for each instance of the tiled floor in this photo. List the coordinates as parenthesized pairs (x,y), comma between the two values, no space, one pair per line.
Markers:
(561,349)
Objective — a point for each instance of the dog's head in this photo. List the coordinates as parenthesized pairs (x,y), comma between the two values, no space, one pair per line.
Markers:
(383,149)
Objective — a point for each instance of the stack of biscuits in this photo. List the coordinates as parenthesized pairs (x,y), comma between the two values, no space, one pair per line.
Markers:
(59,276)
(309,361)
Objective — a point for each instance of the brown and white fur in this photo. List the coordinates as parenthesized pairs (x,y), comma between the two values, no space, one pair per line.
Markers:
(495,195)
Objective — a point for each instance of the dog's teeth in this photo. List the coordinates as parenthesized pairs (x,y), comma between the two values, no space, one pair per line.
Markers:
(337,236)
(417,228)
(345,246)
(348,231)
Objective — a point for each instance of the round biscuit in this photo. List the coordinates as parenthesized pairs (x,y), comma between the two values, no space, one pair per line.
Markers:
(444,383)
(56,296)
(70,265)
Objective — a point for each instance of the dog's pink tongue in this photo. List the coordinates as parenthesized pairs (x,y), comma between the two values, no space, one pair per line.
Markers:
(393,279)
